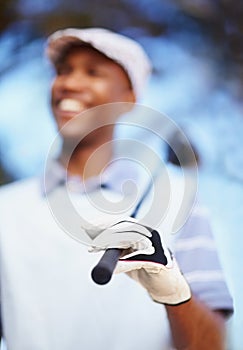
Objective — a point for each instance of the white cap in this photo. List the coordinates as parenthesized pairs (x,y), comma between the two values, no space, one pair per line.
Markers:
(123,50)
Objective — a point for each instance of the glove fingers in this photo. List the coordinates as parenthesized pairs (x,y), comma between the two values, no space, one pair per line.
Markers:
(125,234)
(128,266)
(128,226)
(116,225)
(122,240)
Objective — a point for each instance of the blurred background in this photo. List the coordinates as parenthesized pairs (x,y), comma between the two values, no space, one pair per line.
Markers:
(196,47)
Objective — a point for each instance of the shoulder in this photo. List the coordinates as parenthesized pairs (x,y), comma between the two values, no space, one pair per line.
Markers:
(197,254)
(19,184)
(197,223)
(20,191)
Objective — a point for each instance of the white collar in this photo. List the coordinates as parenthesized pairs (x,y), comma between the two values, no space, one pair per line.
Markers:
(121,175)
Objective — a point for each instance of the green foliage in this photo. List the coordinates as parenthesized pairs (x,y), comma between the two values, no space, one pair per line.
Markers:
(219,23)
(5,177)
(8,15)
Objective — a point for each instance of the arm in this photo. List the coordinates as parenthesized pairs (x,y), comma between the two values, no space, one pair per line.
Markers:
(195,327)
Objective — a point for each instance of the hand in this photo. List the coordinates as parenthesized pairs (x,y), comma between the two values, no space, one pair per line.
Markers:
(158,273)
(145,258)
(124,233)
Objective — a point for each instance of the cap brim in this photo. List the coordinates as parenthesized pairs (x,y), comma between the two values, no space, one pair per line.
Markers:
(56,48)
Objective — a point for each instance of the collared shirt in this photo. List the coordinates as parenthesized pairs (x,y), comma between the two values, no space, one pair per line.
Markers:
(114,177)
(48,298)
(194,241)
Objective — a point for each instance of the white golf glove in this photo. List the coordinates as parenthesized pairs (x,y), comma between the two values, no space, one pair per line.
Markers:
(124,233)
(158,273)
(145,259)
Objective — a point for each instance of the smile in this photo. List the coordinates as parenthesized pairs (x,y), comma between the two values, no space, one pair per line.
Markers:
(71,105)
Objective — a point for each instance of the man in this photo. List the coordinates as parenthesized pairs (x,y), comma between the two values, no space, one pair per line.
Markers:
(48,299)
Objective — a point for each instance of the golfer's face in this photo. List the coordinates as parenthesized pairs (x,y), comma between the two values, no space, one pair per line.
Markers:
(86,79)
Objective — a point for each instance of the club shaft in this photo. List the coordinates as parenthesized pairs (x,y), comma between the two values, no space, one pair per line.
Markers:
(102,272)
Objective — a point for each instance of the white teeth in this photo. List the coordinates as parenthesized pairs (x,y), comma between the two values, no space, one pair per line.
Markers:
(70,105)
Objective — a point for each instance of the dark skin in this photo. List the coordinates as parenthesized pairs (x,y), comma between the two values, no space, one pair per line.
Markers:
(86,79)
(195,327)
(92,78)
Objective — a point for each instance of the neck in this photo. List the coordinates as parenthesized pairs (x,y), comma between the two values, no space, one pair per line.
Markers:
(86,161)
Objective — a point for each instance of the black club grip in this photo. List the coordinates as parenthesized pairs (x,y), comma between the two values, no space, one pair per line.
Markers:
(102,272)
